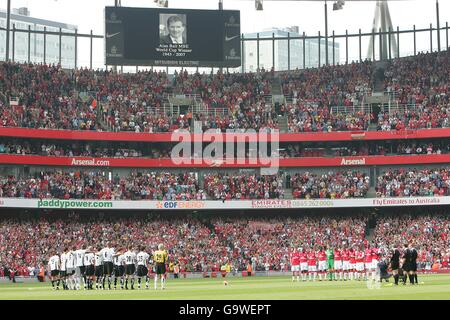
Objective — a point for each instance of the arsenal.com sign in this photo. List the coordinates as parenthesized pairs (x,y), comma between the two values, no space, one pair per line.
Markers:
(90,162)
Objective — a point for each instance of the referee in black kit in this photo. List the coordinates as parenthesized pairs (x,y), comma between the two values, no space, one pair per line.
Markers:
(413,271)
(395,264)
(409,263)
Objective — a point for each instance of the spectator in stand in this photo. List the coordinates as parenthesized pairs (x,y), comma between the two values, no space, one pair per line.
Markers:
(48,97)
(206,245)
(421,83)
(429,233)
(413,182)
(96,185)
(333,185)
(243,186)
(288,150)
(191,242)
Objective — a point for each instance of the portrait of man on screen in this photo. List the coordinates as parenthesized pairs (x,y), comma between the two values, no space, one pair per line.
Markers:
(172,29)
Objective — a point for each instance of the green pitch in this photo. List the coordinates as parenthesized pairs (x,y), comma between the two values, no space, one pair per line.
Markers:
(433,287)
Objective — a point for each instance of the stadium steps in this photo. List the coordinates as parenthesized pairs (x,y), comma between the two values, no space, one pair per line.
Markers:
(288,194)
(283,123)
(370,227)
(371,193)
(370,235)
(102,124)
(378,76)
(209,225)
(100,120)
(84,96)
(275,88)
(278,99)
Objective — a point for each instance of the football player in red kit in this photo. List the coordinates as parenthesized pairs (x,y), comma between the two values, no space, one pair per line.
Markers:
(303,263)
(352,257)
(322,257)
(337,264)
(375,260)
(359,263)
(346,263)
(312,269)
(368,261)
(295,264)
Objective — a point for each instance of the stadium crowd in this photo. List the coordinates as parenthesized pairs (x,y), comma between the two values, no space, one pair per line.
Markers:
(170,186)
(66,150)
(385,147)
(314,91)
(406,182)
(422,83)
(45,98)
(26,243)
(163,150)
(48,97)
(268,242)
(334,185)
(99,185)
(243,186)
(429,232)
(203,245)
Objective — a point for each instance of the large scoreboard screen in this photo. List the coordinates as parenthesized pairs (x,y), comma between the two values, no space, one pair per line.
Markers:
(172,37)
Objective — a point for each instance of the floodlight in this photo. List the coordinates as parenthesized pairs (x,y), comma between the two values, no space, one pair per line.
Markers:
(162,3)
(338,5)
(259,5)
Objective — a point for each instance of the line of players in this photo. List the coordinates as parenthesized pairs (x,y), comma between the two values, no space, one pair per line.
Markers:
(347,263)
(81,268)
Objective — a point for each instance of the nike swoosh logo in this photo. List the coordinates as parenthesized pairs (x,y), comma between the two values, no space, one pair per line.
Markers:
(112,35)
(230,38)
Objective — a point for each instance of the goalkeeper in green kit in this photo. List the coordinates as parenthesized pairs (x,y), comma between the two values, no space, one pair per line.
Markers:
(330,263)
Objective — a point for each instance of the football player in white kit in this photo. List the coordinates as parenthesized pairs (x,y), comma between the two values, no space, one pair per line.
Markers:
(63,272)
(130,268)
(81,268)
(70,267)
(108,267)
(53,264)
(119,269)
(89,260)
(142,262)
(98,268)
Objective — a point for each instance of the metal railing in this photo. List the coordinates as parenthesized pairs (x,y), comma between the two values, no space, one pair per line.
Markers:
(290,39)
(350,109)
